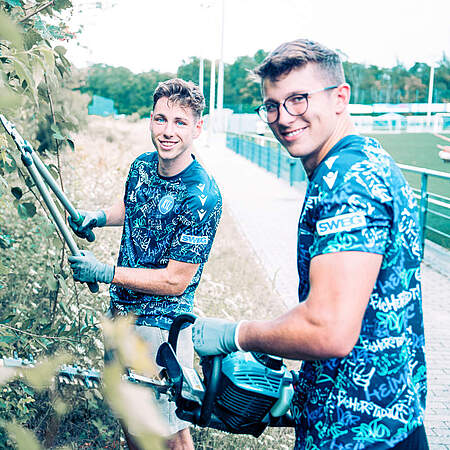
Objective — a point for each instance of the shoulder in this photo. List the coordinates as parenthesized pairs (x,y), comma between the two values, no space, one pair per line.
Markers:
(362,161)
(202,193)
(145,158)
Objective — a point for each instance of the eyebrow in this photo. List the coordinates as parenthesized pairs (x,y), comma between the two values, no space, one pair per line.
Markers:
(184,119)
(290,94)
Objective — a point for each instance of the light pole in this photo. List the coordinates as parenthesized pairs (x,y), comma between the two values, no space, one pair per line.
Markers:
(220,75)
(200,74)
(430,95)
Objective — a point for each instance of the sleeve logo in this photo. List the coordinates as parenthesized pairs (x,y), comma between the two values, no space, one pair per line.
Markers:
(189,239)
(344,222)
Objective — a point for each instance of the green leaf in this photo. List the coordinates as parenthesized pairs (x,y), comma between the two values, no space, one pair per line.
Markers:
(17,192)
(60,50)
(9,31)
(71,144)
(26,210)
(14,3)
(41,376)
(25,439)
(51,282)
(8,339)
(64,308)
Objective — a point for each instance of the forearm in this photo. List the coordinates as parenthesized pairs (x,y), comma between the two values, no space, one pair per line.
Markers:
(115,215)
(299,335)
(171,280)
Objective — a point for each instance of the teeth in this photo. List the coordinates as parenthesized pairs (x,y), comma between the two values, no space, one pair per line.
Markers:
(293,133)
(167,144)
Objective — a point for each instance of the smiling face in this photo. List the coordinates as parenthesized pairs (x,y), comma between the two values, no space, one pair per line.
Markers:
(311,135)
(173,130)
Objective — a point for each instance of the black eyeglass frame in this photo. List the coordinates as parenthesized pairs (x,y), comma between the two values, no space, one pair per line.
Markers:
(305,96)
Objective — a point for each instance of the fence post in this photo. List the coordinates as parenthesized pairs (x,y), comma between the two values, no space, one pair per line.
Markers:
(291,172)
(279,162)
(423,207)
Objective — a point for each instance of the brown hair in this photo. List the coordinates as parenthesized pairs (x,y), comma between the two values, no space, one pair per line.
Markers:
(184,93)
(298,53)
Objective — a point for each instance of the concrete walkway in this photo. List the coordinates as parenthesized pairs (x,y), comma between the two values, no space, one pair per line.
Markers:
(267,210)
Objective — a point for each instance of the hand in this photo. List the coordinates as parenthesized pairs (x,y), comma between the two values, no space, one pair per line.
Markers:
(90,220)
(87,269)
(215,336)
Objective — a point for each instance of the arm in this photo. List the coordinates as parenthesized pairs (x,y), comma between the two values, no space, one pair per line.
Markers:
(115,215)
(328,323)
(171,280)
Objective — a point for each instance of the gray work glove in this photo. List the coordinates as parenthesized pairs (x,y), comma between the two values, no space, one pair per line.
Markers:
(215,336)
(87,269)
(89,220)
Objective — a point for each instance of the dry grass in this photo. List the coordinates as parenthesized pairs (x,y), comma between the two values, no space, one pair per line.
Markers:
(233,286)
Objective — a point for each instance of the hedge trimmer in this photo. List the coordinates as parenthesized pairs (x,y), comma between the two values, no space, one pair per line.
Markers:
(39,173)
(241,393)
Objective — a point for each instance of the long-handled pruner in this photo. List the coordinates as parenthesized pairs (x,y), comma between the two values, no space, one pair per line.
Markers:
(38,173)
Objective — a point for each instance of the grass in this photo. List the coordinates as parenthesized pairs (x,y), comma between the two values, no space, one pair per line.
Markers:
(420,150)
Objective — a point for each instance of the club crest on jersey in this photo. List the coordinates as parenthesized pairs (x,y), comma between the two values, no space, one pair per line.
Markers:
(344,222)
(166,204)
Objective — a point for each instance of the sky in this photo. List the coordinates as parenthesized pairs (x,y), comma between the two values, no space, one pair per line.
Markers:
(147,34)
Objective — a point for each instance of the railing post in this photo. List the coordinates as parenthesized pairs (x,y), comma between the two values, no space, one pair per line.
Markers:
(423,207)
(279,162)
(291,172)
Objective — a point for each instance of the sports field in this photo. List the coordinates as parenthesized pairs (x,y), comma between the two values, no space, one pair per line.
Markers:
(420,150)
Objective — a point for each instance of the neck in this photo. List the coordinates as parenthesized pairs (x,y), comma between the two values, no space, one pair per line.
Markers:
(344,127)
(172,167)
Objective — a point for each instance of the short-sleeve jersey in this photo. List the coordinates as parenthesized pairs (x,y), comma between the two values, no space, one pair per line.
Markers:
(165,218)
(358,200)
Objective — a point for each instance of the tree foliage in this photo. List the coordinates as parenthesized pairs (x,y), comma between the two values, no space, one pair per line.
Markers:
(370,84)
(41,311)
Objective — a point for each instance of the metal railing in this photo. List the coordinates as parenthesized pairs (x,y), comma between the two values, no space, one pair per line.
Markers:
(269,154)
(266,152)
(440,203)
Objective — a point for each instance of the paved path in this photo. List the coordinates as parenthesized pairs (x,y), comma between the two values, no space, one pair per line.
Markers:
(267,211)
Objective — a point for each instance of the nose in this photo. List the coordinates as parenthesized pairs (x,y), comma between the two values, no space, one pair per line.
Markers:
(168,130)
(284,118)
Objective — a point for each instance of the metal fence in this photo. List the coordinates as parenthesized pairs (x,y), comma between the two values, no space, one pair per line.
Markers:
(434,208)
(267,153)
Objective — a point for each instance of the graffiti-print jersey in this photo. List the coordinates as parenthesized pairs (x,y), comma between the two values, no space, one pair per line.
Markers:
(165,218)
(358,200)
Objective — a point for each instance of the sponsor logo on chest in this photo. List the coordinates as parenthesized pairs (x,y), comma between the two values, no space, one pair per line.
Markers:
(343,222)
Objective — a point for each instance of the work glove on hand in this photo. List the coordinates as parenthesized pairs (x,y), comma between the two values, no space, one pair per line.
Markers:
(215,336)
(91,219)
(87,269)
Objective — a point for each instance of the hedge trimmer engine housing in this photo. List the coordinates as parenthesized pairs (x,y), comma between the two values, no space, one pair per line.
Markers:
(242,393)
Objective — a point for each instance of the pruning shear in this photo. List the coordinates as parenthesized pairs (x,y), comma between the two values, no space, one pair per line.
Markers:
(39,173)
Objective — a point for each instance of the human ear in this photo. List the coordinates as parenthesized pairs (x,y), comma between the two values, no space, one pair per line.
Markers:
(342,97)
(198,128)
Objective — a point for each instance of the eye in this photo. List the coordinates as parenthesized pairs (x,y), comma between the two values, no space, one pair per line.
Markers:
(159,119)
(271,107)
(180,123)
(297,98)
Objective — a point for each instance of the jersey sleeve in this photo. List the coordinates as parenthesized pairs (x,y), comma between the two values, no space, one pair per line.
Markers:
(355,215)
(196,229)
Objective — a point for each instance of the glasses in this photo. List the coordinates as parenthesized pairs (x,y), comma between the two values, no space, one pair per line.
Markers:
(295,105)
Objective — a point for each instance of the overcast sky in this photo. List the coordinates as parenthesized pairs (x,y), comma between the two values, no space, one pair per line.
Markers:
(147,34)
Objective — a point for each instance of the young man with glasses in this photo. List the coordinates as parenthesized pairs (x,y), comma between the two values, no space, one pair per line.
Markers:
(359,325)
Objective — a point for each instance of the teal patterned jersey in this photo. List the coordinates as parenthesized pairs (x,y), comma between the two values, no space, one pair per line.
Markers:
(165,218)
(358,200)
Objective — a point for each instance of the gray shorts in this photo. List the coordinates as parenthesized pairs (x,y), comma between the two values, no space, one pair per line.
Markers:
(185,353)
